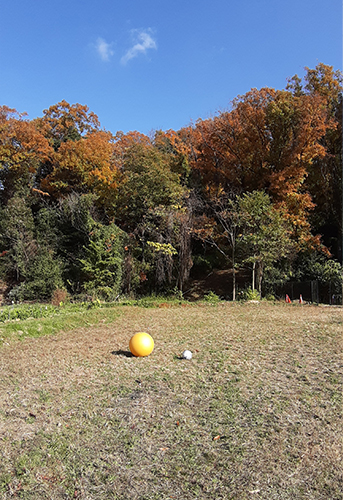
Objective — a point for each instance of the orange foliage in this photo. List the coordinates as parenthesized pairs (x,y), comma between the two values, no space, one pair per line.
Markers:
(84,165)
(122,142)
(268,141)
(64,121)
(22,147)
(230,149)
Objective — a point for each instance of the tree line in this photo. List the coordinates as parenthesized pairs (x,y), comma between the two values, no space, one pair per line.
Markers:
(256,189)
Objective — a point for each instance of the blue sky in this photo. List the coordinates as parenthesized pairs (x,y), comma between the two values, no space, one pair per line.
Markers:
(155,64)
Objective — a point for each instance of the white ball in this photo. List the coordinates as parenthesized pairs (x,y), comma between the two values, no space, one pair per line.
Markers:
(187,355)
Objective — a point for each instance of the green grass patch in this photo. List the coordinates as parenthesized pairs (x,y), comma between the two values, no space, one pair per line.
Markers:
(64,318)
(25,311)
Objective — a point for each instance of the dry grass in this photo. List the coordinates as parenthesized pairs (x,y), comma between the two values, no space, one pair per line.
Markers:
(256,414)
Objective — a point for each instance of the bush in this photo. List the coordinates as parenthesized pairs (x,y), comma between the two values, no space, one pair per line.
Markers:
(249,294)
(105,293)
(60,296)
(42,277)
(270,297)
(211,298)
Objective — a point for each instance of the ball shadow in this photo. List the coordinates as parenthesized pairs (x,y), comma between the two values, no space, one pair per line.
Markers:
(120,352)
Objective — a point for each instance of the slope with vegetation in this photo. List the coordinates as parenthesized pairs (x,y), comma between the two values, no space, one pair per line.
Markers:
(255,190)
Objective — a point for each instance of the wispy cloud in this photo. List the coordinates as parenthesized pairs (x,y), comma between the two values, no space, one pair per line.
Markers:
(143,41)
(104,49)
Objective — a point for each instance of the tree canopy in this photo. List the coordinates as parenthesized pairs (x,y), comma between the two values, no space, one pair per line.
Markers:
(260,183)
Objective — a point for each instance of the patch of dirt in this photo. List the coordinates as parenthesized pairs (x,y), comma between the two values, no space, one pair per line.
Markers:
(218,281)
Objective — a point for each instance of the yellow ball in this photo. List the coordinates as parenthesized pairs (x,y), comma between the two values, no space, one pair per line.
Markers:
(141,344)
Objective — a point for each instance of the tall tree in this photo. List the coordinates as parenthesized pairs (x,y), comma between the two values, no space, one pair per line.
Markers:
(82,158)
(266,233)
(220,226)
(166,231)
(147,182)
(17,240)
(268,141)
(102,263)
(87,165)
(22,150)
(230,149)
(325,174)
(64,122)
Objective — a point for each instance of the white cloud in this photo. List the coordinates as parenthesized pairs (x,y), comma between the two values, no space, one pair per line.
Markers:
(143,41)
(104,49)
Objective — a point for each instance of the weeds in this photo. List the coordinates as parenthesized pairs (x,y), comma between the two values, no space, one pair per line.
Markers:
(211,298)
(22,312)
(249,294)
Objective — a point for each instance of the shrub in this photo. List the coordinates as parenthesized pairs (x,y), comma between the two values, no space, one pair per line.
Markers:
(249,294)
(42,277)
(211,298)
(102,264)
(270,297)
(59,296)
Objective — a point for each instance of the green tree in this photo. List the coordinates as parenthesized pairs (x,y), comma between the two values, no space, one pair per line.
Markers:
(165,236)
(102,263)
(317,266)
(266,233)
(75,216)
(30,265)
(147,182)
(42,276)
(17,238)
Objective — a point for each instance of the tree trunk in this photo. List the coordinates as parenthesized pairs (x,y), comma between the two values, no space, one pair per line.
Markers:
(253,275)
(233,274)
(185,253)
(260,276)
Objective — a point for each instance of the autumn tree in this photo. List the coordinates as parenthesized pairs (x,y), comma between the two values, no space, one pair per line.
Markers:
(268,141)
(83,156)
(65,122)
(173,144)
(324,180)
(22,151)
(84,166)
(230,149)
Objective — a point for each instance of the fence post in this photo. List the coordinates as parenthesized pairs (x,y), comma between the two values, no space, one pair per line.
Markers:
(314,291)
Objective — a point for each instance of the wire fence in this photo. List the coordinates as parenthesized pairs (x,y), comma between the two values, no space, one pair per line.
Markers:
(311,291)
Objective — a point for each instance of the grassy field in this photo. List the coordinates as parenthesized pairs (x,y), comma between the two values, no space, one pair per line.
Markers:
(256,414)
